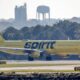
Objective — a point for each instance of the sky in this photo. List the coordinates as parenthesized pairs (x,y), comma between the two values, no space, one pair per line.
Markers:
(58,8)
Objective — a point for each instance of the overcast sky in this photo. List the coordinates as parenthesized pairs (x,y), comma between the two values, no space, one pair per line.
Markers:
(59,8)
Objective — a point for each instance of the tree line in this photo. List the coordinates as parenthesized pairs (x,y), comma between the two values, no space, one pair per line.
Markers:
(60,31)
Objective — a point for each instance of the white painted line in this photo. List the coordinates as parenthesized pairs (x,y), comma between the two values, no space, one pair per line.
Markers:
(63,67)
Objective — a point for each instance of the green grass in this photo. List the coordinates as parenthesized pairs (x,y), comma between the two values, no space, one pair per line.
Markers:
(38,71)
(32,65)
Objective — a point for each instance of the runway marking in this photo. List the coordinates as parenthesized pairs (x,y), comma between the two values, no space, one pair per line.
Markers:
(63,67)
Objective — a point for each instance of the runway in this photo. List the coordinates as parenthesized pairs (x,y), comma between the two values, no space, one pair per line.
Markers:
(38,65)
(43,62)
(63,67)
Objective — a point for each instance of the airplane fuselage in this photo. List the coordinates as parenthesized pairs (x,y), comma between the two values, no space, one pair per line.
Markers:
(61,47)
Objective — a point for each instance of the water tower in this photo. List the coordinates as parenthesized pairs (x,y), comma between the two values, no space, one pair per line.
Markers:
(42,10)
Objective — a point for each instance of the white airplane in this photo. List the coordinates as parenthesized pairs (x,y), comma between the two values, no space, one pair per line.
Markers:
(60,47)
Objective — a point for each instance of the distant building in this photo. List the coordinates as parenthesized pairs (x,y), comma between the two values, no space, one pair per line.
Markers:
(21,14)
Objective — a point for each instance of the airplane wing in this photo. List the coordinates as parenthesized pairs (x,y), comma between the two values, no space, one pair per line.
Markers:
(24,49)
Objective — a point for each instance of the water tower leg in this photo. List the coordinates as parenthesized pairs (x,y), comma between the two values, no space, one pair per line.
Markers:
(49,15)
(38,16)
(43,16)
